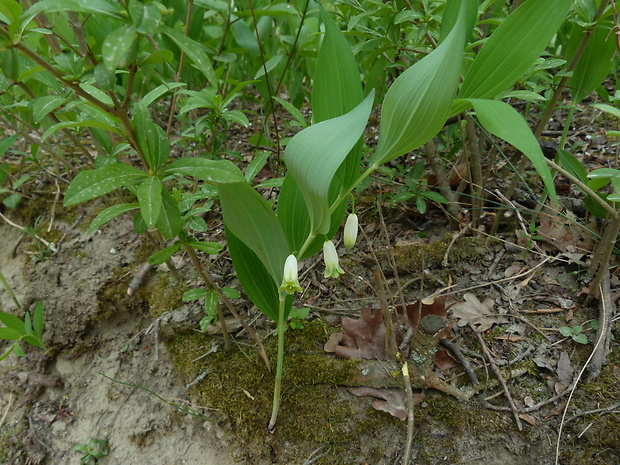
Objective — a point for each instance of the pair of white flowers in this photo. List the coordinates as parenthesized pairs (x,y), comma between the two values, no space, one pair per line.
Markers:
(290,280)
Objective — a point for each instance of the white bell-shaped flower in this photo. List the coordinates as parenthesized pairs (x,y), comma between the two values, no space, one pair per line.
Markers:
(290,279)
(350,231)
(332,268)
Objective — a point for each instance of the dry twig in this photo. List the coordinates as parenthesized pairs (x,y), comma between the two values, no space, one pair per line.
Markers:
(498,373)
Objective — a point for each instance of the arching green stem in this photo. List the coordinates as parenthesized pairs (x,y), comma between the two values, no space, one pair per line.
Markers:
(344,194)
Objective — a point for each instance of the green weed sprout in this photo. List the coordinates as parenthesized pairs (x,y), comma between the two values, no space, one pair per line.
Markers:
(576,333)
(93,451)
(30,330)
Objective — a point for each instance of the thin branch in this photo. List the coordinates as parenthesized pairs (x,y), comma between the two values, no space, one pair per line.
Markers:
(498,373)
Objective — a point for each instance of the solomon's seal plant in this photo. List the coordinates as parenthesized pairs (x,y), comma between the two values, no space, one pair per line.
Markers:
(324,160)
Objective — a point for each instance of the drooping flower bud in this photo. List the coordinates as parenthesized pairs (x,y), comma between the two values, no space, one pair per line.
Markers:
(290,279)
(350,231)
(332,268)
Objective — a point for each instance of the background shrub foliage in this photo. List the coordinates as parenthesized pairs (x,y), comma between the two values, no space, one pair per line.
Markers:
(138,98)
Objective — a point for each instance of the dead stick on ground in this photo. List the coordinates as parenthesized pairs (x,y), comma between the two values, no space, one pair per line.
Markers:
(410,413)
(498,373)
(390,335)
(606,309)
(461,358)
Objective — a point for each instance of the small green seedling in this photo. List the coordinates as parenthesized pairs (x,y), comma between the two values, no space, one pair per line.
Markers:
(297,316)
(93,451)
(29,330)
(576,333)
(212,300)
(296,319)
(594,326)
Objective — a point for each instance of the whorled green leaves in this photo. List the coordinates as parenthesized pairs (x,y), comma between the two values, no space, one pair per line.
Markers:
(157,206)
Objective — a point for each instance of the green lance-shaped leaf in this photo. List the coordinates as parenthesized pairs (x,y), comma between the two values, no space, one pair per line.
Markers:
(159,91)
(314,155)
(513,47)
(337,87)
(81,124)
(10,10)
(152,139)
(116,45)
(204,246)
(595,62)
(9,64)
(91,184)
(10,334)
(38,320)
(164,254)
(110,213)
(505,122)
(451,14)
(194,51)
(12,322)
(93,7)
(149,198)
(169,221)
(213,171)
(418,103)
(42,106)
(250,218)
(295,220)
(255,279)
(145,17)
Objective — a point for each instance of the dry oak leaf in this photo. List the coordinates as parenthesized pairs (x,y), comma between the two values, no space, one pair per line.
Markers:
(394,400)
(479,314)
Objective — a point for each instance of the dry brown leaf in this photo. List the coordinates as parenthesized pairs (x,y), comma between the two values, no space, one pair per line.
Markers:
(364,338)
(528,418)
(554,412)
(565,370)
(394,400)
(479,314)
(560,231)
